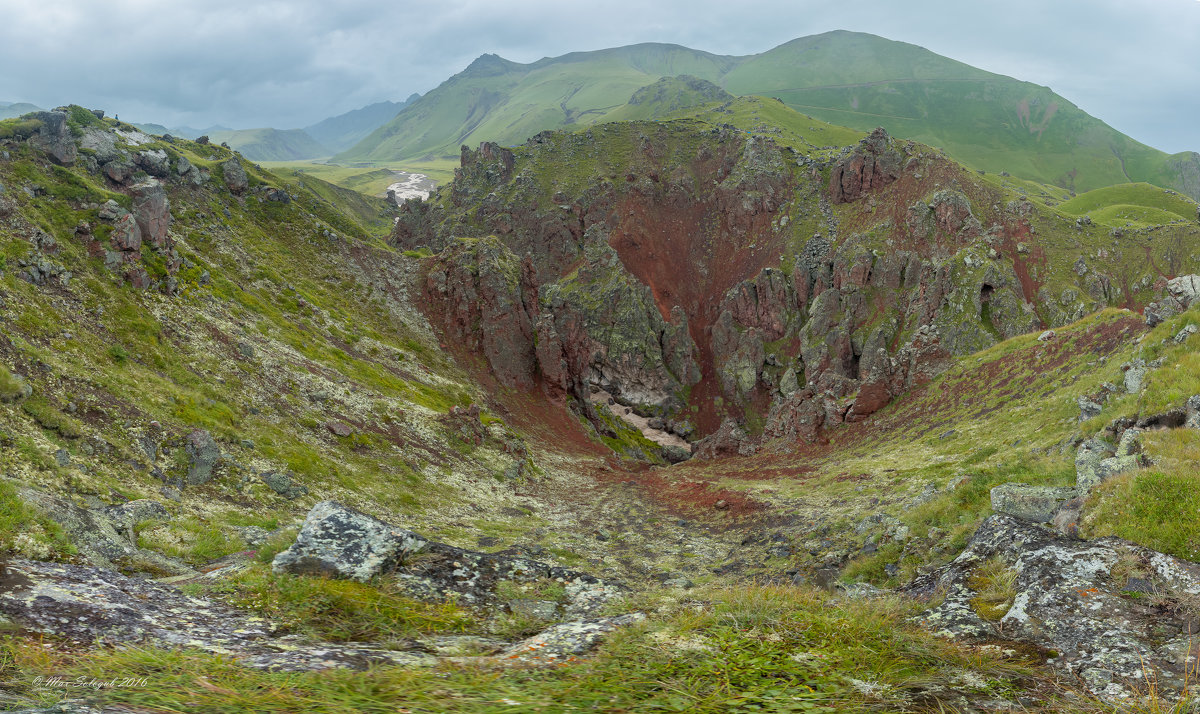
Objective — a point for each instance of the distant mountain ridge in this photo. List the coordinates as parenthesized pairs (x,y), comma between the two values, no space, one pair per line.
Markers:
(989,121)
(345,130)
(8,110)
(271,144)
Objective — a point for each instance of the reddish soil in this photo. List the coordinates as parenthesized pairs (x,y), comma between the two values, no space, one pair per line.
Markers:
(690,255)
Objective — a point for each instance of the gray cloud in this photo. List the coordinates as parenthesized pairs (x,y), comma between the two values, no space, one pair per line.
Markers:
(253,63)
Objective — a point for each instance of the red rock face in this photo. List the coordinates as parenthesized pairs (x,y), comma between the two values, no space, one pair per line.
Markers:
(871,166)
(808,331)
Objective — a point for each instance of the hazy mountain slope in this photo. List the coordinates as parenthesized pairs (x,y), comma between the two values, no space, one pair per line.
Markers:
(345,130)
(271,144)
(499,100)
(985,120)
(9,110)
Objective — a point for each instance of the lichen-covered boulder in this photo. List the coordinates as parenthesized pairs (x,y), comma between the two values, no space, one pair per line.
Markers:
(1087,460)
(1036,504)
(338,541)
(1077,599)
(204,455)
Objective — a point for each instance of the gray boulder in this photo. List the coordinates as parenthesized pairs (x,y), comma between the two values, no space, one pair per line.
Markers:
(235,176)
(1185,289)
(203,454)
(152,211)
(155,162)
(283,485)
(126,234)
(1135,376)
(1131,443)
(1089,408)
(338,541)
(565,641)
(1036,504)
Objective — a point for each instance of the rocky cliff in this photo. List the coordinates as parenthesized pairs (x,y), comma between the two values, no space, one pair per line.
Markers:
(702,273)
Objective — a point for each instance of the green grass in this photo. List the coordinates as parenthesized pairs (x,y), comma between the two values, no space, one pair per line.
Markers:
(743,649)
(995,586)
(340,610)
(11,388)
(189,539)
(49,417)
(1152,508)
(26,532)
(1106,202)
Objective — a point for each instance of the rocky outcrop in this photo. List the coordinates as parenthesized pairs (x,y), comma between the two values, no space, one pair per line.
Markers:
(89,606)
(105,536)
(54,137)
(1113,613)
(479,285)
(670,277)
(340,542)
(203,456)
(870,166)
(1181,293)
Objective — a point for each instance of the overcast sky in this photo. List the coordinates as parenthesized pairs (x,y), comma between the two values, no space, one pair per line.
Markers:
(248,63)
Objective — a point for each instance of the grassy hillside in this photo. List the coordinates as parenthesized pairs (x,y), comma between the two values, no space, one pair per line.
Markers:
(271,144)
(1138,203)
(988,121)
(667,96)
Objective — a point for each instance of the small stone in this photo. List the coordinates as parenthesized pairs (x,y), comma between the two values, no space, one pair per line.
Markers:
(721,505)
(534,609)
(283,485)
(680,582)
(62,457)
(1046,336)
(339,428)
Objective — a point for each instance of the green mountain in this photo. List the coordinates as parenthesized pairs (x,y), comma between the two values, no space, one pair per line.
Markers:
(499,100)
(271,144)
(988,121)
(345,130)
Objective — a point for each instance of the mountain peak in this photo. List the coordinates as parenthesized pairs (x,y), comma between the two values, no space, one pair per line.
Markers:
(488,65)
